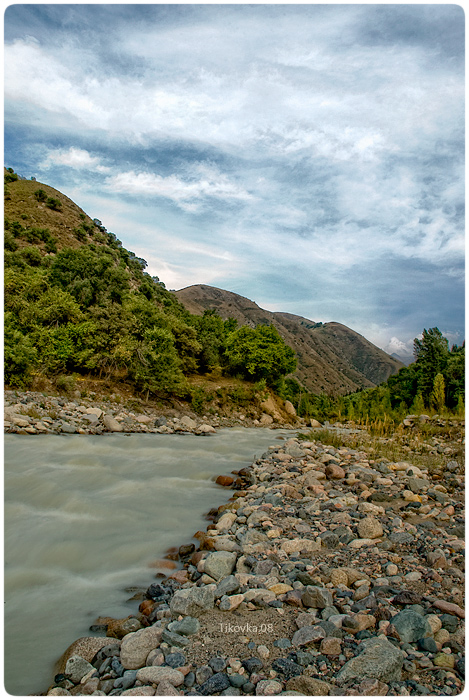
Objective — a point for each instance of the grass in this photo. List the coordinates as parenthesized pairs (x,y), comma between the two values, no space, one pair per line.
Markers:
(384,439)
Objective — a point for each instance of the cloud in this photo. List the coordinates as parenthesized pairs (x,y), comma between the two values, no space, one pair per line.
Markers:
(188,194)
(310,155)
(75,158)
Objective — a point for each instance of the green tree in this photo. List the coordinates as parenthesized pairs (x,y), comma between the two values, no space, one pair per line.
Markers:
(431,355)
(258,353)
(20,356)
(438,393)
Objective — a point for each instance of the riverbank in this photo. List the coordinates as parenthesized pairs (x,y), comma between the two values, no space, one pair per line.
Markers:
(327,573)
(37,413)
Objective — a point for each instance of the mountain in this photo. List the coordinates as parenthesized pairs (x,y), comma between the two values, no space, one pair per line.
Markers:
(331,357)
(405,359)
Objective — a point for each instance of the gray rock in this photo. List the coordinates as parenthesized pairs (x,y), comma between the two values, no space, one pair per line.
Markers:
(227,586)
(67,427)
(411,626)
(136,646)
(157,674)
(175,640)
(307,635)
(315,597)
(218,565)
(77,667)
(193,601)
(378,658)
(186,626)
(111,424)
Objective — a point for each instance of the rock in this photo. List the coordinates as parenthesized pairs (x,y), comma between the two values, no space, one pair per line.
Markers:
(157,674)
(215,684)
(141,690)
(300,545)
(436,559)
(232,602)
(193,601)
(411,626)
(166,689)
(287,668)
(224,480)
(206,429)
(187,626)
(187,423)
(111,424)
(444,660)
(173,639)
(86,647)
(315,597)
(308,635)
(289,410)
(315,423)
(218,565)
(308,686)
(377,658)
(120,628)
(136,646)
(370,528)
(331,646)
(333,471)
(265,419)
(450,608)
(268,687)
(77,668)
(227,586)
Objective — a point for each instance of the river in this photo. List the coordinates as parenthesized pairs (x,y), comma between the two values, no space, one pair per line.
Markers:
(85,516)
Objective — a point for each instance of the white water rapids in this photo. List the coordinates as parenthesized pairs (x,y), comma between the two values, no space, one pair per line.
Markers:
(84,518)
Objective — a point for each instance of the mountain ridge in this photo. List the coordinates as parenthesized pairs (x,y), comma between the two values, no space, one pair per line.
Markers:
(332,358)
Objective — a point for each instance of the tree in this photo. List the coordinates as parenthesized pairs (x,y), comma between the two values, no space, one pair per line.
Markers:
(259,353)
(438,393)
(431,355)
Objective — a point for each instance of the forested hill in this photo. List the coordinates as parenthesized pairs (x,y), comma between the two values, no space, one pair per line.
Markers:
(78,303)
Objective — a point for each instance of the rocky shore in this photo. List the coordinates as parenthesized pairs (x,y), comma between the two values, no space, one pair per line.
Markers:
(35,413)
(327,573)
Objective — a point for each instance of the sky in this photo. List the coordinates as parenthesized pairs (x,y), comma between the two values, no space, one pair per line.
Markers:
(308,157)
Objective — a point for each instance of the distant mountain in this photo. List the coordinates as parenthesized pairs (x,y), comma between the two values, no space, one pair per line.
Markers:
(331,357)
(405,359)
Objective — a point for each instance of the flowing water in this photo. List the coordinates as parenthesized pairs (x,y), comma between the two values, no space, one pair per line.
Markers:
(85,516)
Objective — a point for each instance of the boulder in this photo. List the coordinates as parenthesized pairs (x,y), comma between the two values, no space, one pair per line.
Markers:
(136,646)
(220,564)
(111,424)
(377,658)
(192,601)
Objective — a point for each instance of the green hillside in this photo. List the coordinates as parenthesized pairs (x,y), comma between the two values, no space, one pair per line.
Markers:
(79,304)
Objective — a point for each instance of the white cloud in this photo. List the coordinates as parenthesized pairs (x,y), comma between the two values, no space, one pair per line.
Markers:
(76,158)
(186,193)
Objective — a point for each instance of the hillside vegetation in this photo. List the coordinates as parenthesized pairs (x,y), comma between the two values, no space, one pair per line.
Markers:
(331,358)
(77,303)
